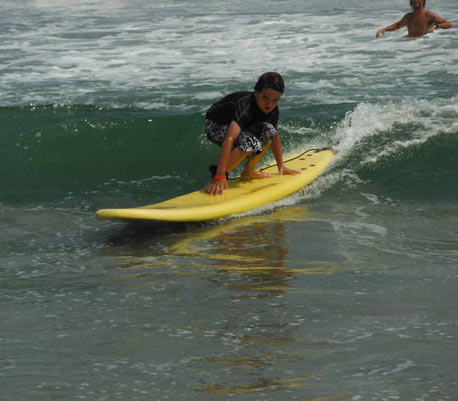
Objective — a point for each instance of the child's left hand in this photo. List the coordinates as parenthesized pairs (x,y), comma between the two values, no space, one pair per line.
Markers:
(282,169)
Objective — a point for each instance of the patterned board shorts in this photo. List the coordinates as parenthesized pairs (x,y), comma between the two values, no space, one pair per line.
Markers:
(251,140)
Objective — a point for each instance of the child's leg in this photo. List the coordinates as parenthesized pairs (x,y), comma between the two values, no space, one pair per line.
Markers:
(236,157)
(256,141)
(249,170)
(216,134)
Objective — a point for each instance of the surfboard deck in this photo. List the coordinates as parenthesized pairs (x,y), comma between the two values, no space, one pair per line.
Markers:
(240,197)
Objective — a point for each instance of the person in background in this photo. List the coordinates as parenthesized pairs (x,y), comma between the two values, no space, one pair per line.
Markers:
(419,22)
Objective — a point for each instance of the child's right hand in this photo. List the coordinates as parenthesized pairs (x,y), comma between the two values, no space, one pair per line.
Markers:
(216,186)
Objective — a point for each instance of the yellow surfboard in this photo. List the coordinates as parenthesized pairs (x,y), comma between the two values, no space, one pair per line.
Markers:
(240,197)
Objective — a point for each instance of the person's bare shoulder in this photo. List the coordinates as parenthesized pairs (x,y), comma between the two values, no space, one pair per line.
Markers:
(435,17)
(406,18)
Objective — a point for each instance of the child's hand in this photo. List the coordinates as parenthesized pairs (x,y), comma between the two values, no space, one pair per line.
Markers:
(379,33)
(216,186)
(285,170)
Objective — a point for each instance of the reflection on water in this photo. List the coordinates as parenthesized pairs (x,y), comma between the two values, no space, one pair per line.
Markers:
(232,289)
(251,245)
(262,385)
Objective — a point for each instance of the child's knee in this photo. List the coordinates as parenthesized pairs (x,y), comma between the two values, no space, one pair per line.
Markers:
(269,131)
(215,132)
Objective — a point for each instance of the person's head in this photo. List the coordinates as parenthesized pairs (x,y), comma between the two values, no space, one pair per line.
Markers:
(417,3)
(268,91)
(271,80)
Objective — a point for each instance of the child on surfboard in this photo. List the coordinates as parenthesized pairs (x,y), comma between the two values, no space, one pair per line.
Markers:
(244,124)
(419,22)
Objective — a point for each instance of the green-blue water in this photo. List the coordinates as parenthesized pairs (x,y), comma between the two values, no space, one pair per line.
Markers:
(344,291)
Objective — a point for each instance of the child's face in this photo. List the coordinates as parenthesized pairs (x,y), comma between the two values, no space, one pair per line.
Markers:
(417,3)
(267,99)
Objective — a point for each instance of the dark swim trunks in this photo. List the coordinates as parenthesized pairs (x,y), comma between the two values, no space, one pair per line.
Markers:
(253,139)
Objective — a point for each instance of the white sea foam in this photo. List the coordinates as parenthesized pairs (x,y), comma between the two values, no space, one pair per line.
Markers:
(77,52)
(381,130)
(429,118)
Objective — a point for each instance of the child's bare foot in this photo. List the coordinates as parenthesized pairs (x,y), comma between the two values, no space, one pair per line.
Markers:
(254,175)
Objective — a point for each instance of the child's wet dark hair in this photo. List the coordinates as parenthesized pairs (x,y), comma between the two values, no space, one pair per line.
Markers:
(424,2)
(270,80)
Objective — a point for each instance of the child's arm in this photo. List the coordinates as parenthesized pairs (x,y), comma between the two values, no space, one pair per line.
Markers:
(276,149)
(392,27)
(219,182)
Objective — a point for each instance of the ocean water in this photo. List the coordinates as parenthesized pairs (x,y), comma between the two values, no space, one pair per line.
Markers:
(346,290)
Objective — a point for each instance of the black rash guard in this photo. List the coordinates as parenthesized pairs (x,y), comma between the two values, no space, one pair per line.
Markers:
(241,107)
